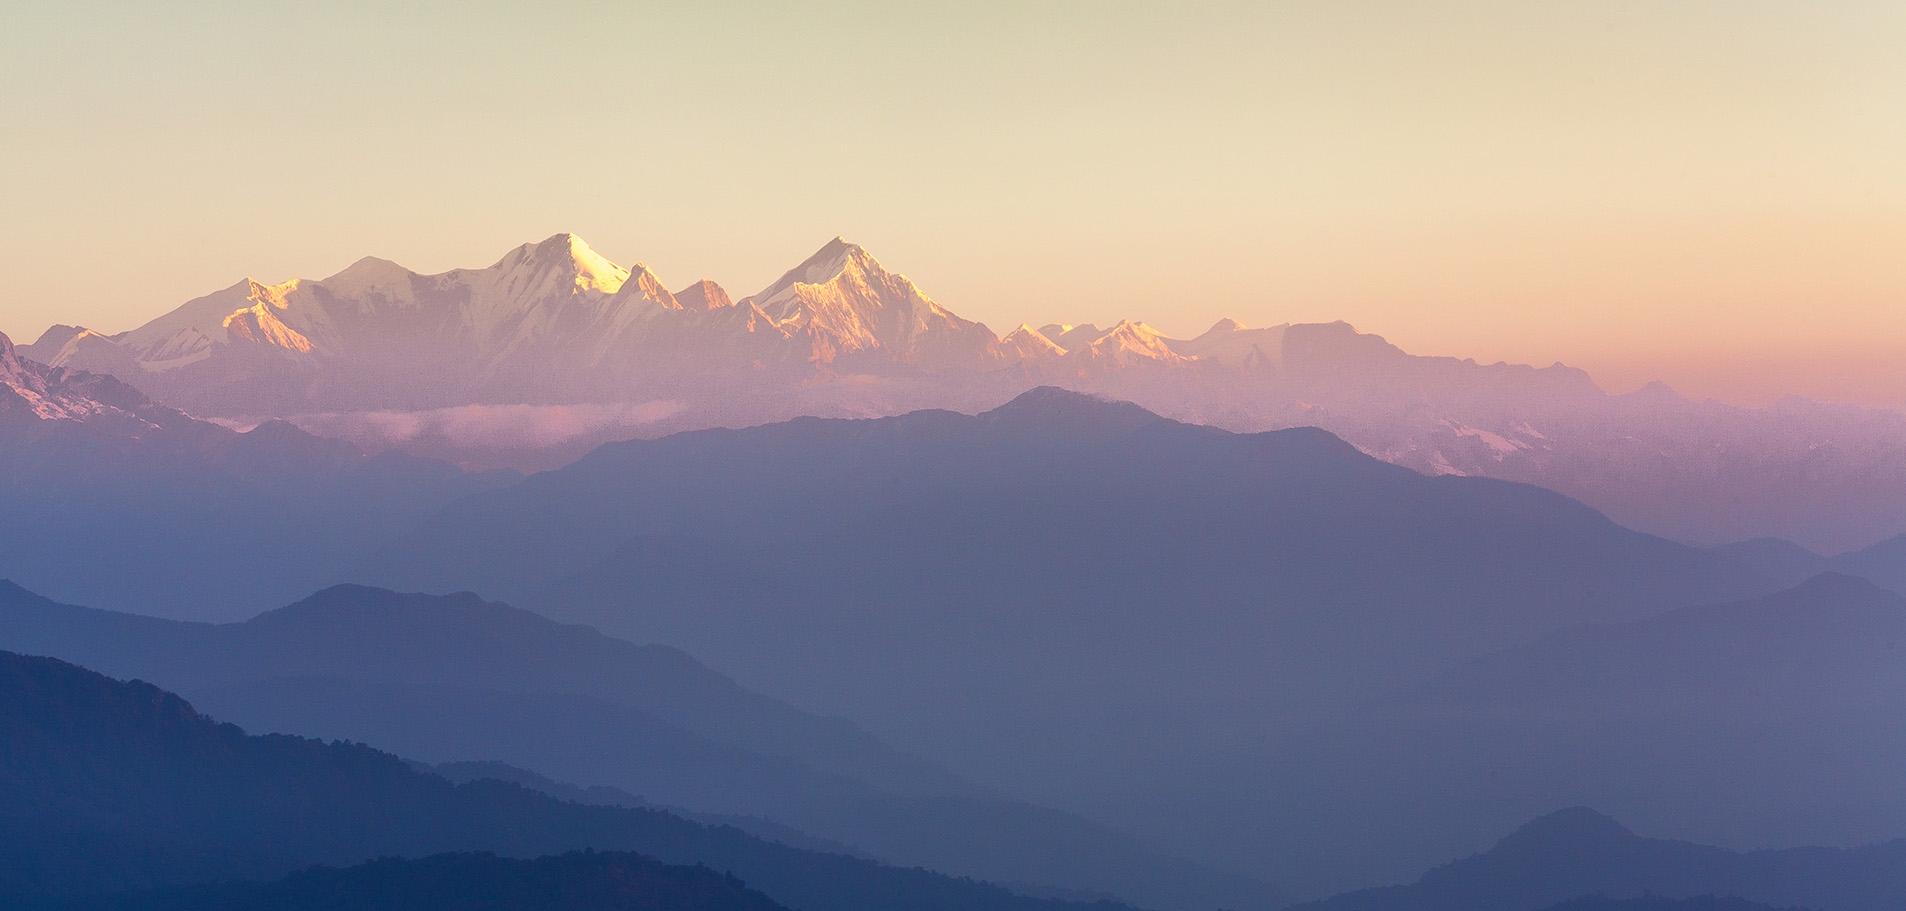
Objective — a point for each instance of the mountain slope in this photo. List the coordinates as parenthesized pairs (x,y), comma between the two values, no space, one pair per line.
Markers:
(1785,560)
(116,499)
(1884,563)
(1072,599)
(1577,852)
(36,399)
(464,771)
(112,786)
(454,678)
(843,303)
(1748,723)
(576,881)
(1742,724)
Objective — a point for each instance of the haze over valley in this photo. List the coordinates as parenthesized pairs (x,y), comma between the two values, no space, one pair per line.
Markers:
(1019,595)
(1053,456)
(554,349)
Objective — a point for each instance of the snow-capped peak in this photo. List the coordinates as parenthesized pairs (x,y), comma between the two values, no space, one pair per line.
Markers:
(1230,344)
(33,391)
(703,295)
(1027,343)
(840,301)
(369,274)
(1069,336)
(643,284)
(567,252)
(1127,344)
(827,263)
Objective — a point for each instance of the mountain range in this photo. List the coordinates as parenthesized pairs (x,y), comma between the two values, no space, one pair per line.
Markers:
(122,797)
(453,678)
(1074,600)
(116,787)
(552,350)
(548,322)
(1047,613)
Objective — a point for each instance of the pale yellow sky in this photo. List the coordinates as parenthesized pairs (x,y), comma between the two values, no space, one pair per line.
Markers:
(1713,194)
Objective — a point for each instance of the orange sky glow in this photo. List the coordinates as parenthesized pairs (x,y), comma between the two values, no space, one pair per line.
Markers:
(1709,194)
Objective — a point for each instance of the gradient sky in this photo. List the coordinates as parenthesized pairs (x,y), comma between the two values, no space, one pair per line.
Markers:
(1713,194)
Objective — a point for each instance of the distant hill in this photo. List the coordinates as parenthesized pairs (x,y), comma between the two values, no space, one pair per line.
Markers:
(112,786)
(576,881)
(1580,860)
(606,796)
(114,499)
(1752,723)
(448,678)
(1068,598)
(1884,563)
(1659,903)
(1782,559)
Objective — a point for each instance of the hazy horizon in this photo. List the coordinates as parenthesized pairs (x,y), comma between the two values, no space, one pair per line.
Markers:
(418,528)
(1709,195)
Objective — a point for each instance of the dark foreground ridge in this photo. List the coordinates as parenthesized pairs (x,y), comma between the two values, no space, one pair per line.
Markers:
(452,678)
(114,787)
(575,881)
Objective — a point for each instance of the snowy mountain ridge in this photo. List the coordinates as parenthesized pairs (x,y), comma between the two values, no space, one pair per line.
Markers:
(558,305)
(553,349)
